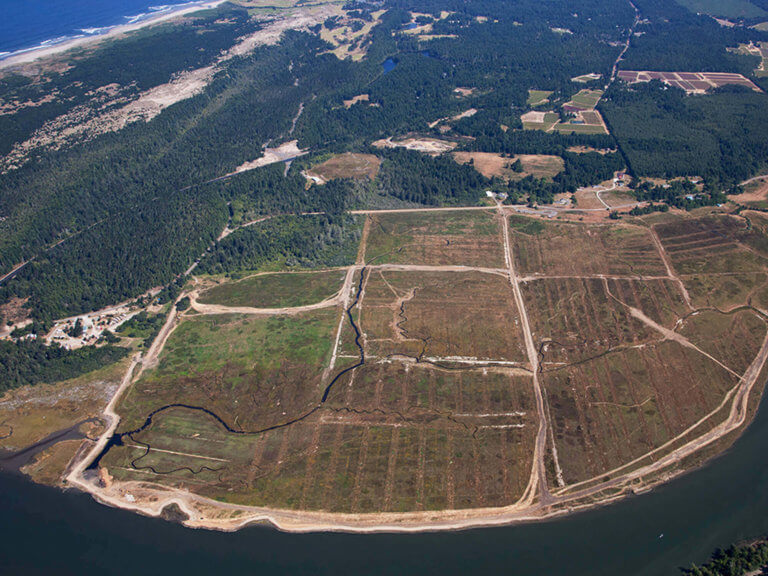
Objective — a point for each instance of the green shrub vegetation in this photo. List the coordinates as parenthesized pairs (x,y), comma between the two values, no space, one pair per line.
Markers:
(735,560)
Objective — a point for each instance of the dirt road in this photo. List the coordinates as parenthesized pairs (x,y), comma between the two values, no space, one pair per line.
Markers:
(537,501)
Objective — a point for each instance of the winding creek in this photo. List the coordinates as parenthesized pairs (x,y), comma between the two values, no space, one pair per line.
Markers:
(724,501)
(652,534)
(117,437)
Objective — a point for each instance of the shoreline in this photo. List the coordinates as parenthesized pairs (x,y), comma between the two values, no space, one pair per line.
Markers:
(149,499)
(30,55)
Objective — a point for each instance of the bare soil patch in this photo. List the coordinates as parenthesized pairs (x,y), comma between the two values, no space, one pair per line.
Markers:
(354,100)
(432,146)
(285,151)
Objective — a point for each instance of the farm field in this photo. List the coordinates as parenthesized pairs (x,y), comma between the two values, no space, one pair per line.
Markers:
(585,120)
(436,239)
(691,82)
(479,359)
(585,99)
(539,120)
(278,290)
(551,248)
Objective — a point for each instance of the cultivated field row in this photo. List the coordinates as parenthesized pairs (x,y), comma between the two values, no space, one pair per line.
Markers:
(468,361)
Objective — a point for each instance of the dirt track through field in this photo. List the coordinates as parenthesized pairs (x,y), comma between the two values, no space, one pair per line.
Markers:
(206,513)
(538,471)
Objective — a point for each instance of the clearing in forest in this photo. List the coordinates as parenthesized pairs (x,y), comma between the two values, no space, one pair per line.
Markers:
(432,146)
(691,82)
(538,97)
(493,165)
(348,165)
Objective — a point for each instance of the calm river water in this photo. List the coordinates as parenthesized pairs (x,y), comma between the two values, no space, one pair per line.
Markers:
(45,531)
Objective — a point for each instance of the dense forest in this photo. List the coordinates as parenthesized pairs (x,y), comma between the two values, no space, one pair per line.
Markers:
(32,362)
(305,241)
(672,38)
(107,219)
(733,561)
(663,132)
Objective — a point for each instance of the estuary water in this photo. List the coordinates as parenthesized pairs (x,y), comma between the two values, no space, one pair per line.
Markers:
(46,531)
(29,24)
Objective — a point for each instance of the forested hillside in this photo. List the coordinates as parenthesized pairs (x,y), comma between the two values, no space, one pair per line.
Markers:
(106,219)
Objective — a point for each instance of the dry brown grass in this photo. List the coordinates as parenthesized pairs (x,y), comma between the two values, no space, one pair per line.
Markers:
(49,465)
(349,165)
(495,165)
(435,239)
(572,249)
(359,98)
(441,315)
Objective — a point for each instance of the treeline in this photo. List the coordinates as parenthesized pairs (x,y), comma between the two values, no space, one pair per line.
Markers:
(305,241)
(119,258)
(144,325)
(680,194)
(664,133)
(32,362)
(580,170)
(733,561)
(423,179)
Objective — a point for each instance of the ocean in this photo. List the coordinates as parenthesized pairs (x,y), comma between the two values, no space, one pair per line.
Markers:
(30,24)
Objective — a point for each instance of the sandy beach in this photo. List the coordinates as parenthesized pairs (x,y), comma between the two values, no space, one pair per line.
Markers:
(34,54)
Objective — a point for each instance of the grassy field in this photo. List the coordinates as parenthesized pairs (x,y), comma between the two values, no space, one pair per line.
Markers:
(577,319)
(30,413)
(564,248)
(241,368)
(718,244)
(495,165)
(276,290)
(347,165)
(437,238)
(586,99)
(580,128)
(537,97)
(615,408)
(442,415)
(348,42)
(545,121)
(432,314)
